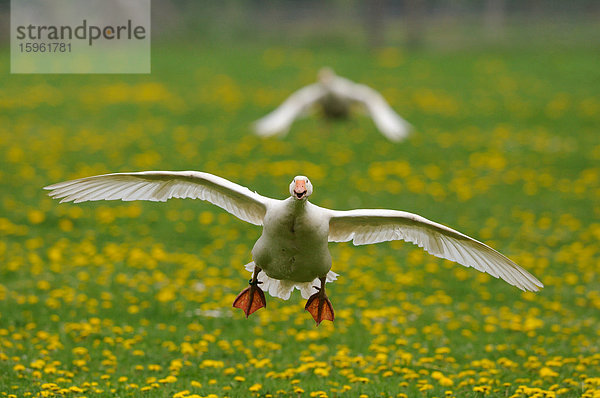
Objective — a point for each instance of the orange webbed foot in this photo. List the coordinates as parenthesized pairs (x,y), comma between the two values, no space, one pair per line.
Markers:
(250,300)
(319,306)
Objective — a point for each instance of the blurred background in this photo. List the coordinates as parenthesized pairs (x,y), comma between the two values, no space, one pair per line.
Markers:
(413,23)
(136,297)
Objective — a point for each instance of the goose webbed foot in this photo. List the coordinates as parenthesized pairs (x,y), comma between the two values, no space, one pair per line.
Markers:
(251,298)
(319,305)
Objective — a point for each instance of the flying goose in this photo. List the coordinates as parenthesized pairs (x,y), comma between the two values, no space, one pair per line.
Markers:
(334,95)
(292,251)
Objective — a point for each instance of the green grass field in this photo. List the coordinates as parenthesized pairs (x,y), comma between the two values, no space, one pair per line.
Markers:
(134,299)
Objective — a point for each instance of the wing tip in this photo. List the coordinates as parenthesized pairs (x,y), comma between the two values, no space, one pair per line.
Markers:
(54,194)
(55,185)
(530,285)
(537,286)
(260,130)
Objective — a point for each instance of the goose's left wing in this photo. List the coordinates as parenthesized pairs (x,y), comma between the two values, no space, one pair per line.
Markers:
(158,186)
(365,226)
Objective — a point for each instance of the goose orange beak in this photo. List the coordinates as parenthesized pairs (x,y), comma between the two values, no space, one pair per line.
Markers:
(300,189)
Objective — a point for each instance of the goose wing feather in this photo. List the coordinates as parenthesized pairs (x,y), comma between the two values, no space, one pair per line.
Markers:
(160,186)
(365,226)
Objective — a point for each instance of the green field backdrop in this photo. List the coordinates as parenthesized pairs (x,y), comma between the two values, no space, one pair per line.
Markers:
(134,299)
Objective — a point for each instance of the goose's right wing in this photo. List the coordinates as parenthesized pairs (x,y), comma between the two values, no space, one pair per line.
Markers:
(280,120)
(158,186)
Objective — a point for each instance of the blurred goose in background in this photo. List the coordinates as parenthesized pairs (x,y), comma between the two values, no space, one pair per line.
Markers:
(292,251)
(334,95)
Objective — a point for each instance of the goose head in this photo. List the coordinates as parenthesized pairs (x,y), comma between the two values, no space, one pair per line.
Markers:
(301,188)
(326,75)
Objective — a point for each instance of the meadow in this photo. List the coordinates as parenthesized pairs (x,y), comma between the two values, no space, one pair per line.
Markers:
(134,299)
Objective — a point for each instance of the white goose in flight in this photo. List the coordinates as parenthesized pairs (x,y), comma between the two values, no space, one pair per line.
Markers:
(292,251)
(334,95)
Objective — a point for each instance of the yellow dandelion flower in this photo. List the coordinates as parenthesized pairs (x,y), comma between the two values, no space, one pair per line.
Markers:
(547,372)
(255,388)
(37,364)
(323,372)
(36,216)
(168,379)
(446,382)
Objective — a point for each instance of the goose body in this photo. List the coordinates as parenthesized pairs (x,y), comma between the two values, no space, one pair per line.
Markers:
(293,245)
(292,251)
(334,96)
